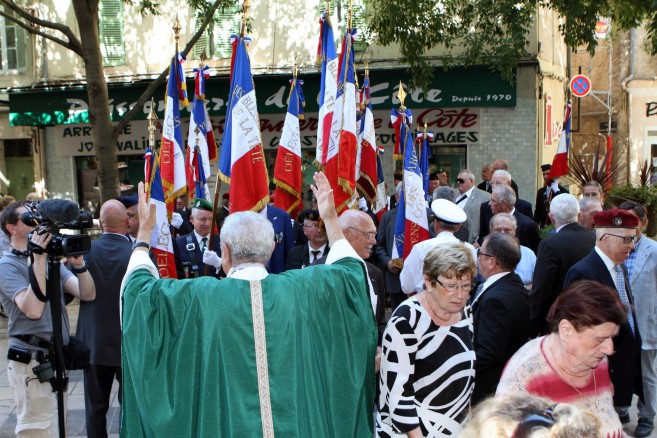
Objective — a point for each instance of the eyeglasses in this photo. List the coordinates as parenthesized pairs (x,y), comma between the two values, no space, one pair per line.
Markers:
(481,253)
(311,226)
(368,234)
(454,287)
(626,239)
(531,421)
(460,180)
(131,215)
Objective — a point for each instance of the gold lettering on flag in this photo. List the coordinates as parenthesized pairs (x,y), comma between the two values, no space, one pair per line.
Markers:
(258,315)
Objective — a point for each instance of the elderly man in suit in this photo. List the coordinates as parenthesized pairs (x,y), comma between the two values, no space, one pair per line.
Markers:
(556,255)
(504,165)
(502,201)
(470,198)
(501,178)
(315,248)
(99,325)
(615,234)
(486,175)
(192,251)
(642,273)
(500,312)
(588,207)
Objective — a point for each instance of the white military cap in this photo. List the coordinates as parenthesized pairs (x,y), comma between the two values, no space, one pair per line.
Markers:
(447,211)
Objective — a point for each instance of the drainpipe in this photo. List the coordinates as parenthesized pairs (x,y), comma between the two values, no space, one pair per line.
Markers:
(624,83)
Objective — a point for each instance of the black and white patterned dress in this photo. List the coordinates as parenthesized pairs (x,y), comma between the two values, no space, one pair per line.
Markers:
(427,373)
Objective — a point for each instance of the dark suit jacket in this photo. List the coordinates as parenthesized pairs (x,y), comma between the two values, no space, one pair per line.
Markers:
(527,231)
(181,254)
(298,257)
(501,327)
(99,326)
(542,206)
(385,237)
(625,363)
(482,186)
(283,236)
(556,255)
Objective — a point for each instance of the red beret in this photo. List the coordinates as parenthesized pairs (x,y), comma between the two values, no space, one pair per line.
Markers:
(615,218)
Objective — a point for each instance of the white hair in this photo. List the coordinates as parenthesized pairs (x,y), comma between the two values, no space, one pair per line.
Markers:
(249,237)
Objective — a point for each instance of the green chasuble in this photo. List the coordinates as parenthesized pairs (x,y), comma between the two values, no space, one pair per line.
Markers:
(189,355)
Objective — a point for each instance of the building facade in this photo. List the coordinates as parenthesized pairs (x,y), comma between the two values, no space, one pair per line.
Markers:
(476,116)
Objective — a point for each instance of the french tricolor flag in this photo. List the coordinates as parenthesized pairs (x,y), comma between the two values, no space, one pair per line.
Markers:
(161,239)
(343,142)
(328,86)
(172,151)
(560,161)
(242,161)
(287,172)
(367,177)
(412,225)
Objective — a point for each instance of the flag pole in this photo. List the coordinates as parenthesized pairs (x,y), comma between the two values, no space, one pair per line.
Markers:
(401,95)
(152,120)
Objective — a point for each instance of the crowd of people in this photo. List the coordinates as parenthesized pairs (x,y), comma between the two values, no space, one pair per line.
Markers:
(490,327)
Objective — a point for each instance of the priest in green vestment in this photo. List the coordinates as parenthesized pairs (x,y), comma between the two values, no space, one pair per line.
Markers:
(288,355)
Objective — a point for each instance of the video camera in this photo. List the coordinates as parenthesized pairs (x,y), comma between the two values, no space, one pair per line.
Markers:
(53,215)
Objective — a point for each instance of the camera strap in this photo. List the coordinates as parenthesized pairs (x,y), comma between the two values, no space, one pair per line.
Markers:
(34,283)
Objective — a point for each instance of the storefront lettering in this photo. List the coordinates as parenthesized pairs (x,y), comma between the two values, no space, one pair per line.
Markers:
(651,109)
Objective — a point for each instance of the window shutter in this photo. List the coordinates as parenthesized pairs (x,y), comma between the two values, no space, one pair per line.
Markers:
(22,38)
(339,16)
(111,32)
(202,43)
(227,23)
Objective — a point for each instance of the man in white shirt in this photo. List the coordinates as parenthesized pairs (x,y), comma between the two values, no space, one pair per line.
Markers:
(449,218)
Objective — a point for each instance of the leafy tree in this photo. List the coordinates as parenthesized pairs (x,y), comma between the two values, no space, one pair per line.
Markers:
(85,42)
(493,31)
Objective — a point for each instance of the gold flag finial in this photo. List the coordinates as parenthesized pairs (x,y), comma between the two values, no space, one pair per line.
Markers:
(367,67)
(401,95)
(176,31)
(152,119)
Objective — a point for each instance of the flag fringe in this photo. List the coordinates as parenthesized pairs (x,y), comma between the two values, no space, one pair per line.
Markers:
(284,186)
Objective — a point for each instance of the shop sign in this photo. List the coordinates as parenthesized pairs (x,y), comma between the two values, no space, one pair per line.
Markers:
(450,125)
(472,88)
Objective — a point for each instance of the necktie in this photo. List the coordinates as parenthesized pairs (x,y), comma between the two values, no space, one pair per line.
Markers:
(204,241)
(315,253)
(477,292)
(622,293)
(488,187)
(461,199)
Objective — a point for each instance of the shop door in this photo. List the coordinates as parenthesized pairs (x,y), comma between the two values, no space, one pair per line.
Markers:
(20,172)
(451,159)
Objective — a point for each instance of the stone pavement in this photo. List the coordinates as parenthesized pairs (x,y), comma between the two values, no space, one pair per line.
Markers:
(75,426)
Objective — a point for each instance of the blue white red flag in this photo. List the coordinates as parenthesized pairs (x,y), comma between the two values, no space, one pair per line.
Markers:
(328,87)
(423,139)
(412,225)
(560,161)
(367,177)
(161,239)
(396,119)
(380,204)
(201,145)
(172,151)
(343,142)
(287,172)
(242,161)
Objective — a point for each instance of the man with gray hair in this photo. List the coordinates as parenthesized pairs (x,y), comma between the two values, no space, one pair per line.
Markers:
(556,255)
(237,355)
(470,198)
(505,223)
(588,207)
(501,178)
(503,200)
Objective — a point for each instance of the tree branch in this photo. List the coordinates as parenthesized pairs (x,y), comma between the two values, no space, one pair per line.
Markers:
(160,79)
(73,42)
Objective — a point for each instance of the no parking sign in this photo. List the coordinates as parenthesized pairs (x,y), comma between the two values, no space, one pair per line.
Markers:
(580,85)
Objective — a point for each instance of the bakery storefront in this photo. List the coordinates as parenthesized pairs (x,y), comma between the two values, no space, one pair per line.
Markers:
(455,108)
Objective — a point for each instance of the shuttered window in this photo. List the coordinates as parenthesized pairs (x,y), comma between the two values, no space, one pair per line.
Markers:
(13,47)
(215,41)
(110,22)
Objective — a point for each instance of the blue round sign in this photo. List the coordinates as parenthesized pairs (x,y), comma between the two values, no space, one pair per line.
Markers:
(580,85)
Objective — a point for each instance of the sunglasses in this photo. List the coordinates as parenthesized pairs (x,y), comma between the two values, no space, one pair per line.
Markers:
(460,180)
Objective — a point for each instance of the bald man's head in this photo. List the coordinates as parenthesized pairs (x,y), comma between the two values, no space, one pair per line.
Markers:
(114,217)
(359,230)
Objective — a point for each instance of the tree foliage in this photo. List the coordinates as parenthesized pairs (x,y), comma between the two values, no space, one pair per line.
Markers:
(85,42)
(493,32)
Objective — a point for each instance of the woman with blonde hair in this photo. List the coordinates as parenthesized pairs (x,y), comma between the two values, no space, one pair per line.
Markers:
(529,416)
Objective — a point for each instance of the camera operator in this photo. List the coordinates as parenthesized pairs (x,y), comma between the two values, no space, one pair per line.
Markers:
(30,321)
